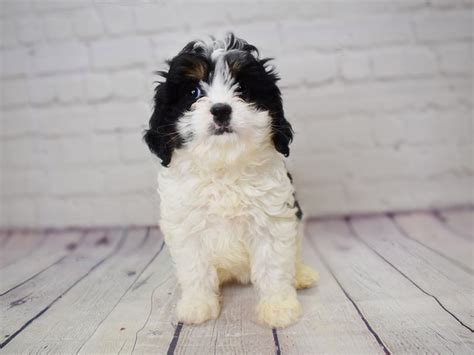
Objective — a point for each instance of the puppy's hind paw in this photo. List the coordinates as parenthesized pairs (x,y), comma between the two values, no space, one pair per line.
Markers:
(194,311)
(305,277)
(279,314)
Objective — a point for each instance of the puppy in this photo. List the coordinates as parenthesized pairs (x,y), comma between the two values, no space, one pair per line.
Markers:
(228,207)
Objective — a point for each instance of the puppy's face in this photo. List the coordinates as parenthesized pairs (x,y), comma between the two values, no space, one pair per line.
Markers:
(218,99)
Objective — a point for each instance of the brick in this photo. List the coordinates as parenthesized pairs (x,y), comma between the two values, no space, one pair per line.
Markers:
(129,84)
(14,92)
(110,210)
(435,161)
(98,86)
(69,211)
(445,26)
(70,88)
(264,35)
(262,11)
(118,115)
(166,47)
(13,183)
(62,88)
(26,182)
(329,167)
(369,7)
(436,127)
(105,210)
(29,29)
(87,24)
(75,181)
(393,62)
(104,148)
(15,8)
(306,68)
(20,212)
(64,120)
(355,65)
(19,153)
(15,62)
(142,209)
(408,162)
(447,4)
(63,151)
(331,196)
(59,57)
(352,132)
(156,17)
(388,130)
(214,14)
(345,32)
(133,148)
(9,35)
(117,18)
(130,178)
(456,58)
(466,157)
(18,122)
(42,90)
(57,27)
(48,6)
(112,53)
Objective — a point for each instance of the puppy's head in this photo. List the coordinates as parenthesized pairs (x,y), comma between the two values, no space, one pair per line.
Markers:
(218,99)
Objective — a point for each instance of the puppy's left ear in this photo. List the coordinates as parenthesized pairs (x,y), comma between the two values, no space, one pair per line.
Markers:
(282,132)
(282,135)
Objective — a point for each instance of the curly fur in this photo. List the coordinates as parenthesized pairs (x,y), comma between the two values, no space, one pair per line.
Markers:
(228,208)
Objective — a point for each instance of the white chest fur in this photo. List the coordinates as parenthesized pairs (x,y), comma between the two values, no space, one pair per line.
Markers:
(223,205)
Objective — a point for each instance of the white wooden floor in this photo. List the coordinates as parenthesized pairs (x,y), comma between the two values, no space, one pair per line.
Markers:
(390,284)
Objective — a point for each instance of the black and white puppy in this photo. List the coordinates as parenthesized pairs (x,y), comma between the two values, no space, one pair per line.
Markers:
(228,208)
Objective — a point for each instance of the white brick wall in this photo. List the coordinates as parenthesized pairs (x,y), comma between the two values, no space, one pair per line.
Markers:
(380,93)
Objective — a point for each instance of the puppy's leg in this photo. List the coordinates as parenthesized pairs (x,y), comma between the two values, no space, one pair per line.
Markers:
(305,276)
(273,273)
(199,285)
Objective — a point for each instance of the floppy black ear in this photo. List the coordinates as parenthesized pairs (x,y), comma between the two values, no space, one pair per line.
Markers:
(161,136)
(282,133)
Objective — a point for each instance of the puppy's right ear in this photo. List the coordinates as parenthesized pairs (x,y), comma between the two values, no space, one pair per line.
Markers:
(160,137)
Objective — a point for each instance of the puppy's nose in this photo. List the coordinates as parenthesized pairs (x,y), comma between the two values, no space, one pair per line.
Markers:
(221,113)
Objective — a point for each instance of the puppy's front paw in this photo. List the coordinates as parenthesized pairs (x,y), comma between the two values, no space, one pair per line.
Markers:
(279,313)
(305,276)
(197,311)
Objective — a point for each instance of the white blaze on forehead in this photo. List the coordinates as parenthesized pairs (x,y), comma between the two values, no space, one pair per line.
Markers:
(222,86)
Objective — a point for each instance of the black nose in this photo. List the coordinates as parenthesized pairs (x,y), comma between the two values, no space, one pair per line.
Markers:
(221,113)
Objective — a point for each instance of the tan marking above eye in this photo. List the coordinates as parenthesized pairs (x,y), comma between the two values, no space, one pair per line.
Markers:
(234,66)
(197,71)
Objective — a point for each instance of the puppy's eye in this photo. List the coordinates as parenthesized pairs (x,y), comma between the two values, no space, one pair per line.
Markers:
(195,93)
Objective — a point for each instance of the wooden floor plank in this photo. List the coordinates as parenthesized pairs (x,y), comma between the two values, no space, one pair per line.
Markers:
(405,319)
(19,245)
(449,284)
(461,221)
(55,247)
(236,331)
(159,295)
(128,325)
(91,300)
(429,231)
(24,304)
(330,323)
(384,287)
